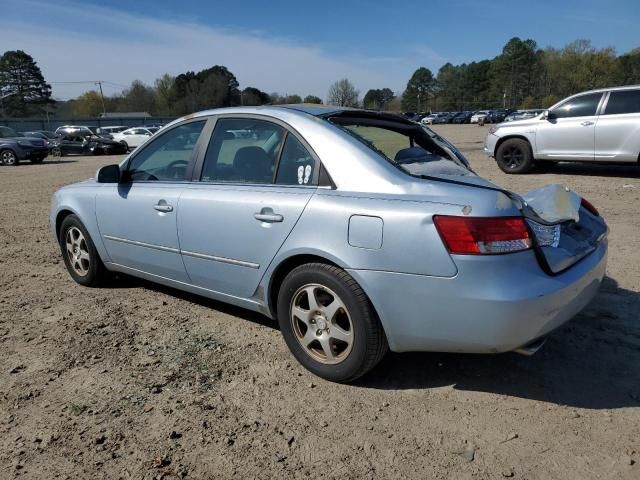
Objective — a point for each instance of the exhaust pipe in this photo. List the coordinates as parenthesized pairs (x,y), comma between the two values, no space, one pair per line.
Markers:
(531,347)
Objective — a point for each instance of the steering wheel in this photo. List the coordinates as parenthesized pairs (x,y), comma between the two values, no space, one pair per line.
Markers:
(173,168)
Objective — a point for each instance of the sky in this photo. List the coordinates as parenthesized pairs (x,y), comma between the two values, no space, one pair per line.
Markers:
(292,46)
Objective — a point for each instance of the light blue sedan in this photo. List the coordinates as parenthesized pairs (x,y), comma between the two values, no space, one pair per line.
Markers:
(358,231)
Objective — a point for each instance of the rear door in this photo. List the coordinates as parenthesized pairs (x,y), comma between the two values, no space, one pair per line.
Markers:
(618,127)
(569,132)
(255,181)
(137,217)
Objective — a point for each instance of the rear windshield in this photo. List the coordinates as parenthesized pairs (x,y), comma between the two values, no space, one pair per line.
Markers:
(414,148)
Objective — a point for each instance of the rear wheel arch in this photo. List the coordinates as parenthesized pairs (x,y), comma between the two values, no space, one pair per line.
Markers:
(283,269)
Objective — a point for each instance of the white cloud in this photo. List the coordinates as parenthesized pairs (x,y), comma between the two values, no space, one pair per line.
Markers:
(102,43)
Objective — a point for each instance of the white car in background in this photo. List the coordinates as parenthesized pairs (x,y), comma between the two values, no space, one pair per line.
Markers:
(111,130)
(133,137)
(479,115)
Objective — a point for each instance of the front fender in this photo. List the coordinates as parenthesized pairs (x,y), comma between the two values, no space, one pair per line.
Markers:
(80,201)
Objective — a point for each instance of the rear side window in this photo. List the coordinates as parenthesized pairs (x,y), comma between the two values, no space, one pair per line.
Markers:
(582,106)
(242,150)
(623,101)
(296,166)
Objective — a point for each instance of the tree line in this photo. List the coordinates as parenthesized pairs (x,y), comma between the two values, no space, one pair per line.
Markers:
(521,76)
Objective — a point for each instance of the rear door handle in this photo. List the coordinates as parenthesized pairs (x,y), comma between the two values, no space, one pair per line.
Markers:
(268,215)
(586,123)
(162,206)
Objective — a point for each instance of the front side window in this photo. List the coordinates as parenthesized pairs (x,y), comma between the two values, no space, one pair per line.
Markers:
(623,101)
(582,106)
(242,151)
(168,156)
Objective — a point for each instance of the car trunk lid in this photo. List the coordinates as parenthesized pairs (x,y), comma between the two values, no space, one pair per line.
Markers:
(565,231)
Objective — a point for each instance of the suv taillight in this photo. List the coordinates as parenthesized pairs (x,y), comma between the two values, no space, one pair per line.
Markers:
(483,236)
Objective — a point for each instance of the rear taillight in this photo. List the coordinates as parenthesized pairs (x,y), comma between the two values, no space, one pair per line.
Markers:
(589,207)
(483,236)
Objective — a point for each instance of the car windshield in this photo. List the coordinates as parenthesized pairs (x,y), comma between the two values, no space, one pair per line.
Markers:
(415,149)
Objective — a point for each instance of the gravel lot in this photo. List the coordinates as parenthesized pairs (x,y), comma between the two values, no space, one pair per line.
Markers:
(140,381)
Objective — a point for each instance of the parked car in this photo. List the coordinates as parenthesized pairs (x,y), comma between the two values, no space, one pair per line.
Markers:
(43,134)
(111,129)
(358,231)
(133,137)
(75,144)
(462,117)
(594,126)
(80,130)
(15,147)
(478,116)
(443,118)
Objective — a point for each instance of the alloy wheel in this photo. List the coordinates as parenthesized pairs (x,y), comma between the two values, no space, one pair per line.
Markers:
(8,157)
(77,251)
(321,324)
(513,157)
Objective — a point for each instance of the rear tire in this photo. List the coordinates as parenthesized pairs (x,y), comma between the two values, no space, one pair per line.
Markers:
(514,156)
(329,324)
(126,146)
(80,255)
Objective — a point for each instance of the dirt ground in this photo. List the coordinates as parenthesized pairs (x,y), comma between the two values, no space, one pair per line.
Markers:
(139,381)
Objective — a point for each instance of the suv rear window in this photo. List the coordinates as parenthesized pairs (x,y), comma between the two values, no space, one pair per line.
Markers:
(623,101)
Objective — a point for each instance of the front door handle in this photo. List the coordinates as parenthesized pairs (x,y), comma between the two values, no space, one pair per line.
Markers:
(586,123)
(268,215)
(162,206)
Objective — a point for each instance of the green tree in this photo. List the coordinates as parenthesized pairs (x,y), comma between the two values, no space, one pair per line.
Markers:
(209,88)
(162,87)
(312,99)
(343,94)
(514,71)
(254,96)
(378,99)
(549,100)
(23,89)
(138,98)
(630,65)
(89,104)
(419,91)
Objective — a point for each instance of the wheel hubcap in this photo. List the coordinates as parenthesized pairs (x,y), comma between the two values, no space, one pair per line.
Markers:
(321,324)
(77,251)
(513,157)
(8,158)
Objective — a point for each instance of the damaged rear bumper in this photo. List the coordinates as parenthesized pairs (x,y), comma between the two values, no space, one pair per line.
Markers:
(494,304)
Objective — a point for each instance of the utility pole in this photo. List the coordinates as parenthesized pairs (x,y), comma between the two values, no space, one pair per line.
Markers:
(99,83)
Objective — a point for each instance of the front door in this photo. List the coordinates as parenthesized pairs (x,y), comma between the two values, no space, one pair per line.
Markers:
(569,132)
(137,217)
(252,191)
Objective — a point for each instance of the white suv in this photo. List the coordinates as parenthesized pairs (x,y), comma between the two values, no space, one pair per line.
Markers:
(596,126)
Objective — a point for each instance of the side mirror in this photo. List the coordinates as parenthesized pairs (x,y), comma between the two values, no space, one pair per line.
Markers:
(109,174)
(545,115)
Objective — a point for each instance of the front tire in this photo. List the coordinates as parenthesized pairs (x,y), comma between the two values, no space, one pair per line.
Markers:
(514,156)
(329,323)
(79,253)
(126,146)
(9,158)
